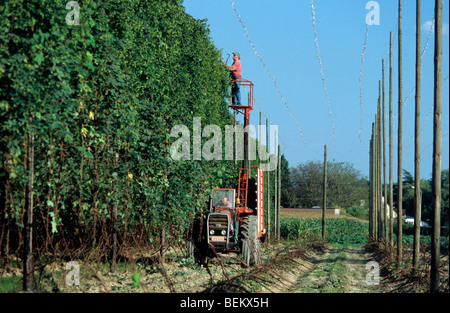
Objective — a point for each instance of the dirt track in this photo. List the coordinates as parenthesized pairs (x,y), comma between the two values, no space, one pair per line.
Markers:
(332,270)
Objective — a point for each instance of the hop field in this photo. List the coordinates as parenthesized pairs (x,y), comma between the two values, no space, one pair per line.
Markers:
(338,230)
(341,231)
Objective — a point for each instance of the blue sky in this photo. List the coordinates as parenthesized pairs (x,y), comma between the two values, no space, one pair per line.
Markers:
(283,35)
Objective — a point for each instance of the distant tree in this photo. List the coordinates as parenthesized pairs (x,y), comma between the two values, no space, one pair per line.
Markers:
(408,192)
(408,179)
(425,187)
(286,186)
(427,197)
(346,185)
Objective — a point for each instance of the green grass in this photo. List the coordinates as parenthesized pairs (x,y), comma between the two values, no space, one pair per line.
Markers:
(336,279)
(329,276)
(11,284)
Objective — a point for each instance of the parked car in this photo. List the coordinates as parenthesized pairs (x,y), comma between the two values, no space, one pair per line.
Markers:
(410,220)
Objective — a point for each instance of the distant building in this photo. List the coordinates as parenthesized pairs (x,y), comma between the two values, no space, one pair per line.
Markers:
(329,211)
(389,209)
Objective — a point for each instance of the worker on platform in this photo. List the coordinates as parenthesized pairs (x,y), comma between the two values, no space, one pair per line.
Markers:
(235,69)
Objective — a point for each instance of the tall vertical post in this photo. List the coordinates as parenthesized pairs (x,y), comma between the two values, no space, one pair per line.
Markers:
(28,246)
(371,186)
(268,184)
(235,140)
(324,209)
(391,149)
(114,220)
(259,134)
(400,140)
(375,175)
(373,210)
(386,232)
(437,146)
(275,210)
(417,206)
(279,192)
(259,130)
(379,150)
(246,160)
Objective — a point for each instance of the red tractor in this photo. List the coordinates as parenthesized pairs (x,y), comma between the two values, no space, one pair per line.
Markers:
(235,221)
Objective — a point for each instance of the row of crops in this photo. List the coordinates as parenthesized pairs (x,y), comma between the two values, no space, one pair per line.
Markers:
(338,230)
(97,102)
(345,231)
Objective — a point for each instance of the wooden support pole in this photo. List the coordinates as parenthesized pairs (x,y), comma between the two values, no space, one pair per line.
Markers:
(371,185)
(279,192)
(268,185)
(114,220)
(379,166)
(375,175)
(372,192)
(400,140)
(383,114)
(391,148)
(275,195)
(324,208)
(437,150)
(28,229)
(235,140)
(417,195)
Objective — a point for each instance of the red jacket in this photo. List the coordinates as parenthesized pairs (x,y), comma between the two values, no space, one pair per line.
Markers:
(236,69)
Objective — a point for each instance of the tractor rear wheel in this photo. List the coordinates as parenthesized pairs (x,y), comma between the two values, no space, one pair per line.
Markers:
(251,245)
(196,245)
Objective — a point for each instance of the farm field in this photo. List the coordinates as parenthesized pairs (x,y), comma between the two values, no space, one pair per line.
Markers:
(291,265)
(286,268)
(299,263)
